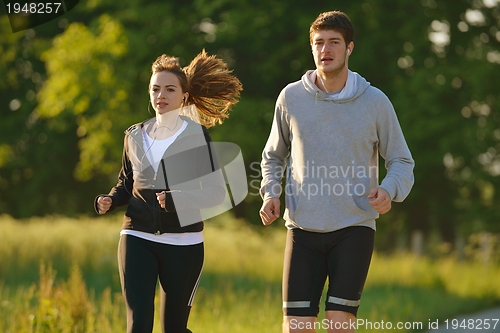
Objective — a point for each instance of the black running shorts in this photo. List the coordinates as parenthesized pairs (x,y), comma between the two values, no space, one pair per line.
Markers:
(343,256)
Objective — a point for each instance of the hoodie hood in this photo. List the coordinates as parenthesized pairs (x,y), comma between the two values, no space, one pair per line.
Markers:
(355,86)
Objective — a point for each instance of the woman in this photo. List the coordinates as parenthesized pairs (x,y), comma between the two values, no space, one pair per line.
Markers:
(169,173)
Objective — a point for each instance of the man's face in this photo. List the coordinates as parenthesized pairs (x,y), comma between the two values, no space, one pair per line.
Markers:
(329,51)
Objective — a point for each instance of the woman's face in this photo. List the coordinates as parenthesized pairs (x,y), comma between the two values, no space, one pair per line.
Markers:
(165,92)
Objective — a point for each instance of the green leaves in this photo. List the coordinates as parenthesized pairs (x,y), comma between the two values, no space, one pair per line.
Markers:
(82,82)
(80,69)
(437,60)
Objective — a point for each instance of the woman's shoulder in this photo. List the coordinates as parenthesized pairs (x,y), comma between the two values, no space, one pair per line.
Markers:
(137,126)
(194,127)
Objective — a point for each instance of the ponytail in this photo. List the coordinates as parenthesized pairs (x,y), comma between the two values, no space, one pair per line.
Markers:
(213,89)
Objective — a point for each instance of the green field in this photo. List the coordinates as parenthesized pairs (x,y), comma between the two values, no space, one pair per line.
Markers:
(60,275)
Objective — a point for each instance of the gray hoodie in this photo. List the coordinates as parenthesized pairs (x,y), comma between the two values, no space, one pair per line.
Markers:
(328,146)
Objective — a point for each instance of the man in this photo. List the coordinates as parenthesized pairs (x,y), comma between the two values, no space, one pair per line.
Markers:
(327,133)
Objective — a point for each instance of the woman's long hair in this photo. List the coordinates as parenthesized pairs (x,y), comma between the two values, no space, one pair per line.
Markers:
(212,87)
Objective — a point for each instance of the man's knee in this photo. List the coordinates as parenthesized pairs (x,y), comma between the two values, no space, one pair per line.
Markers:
(297,324)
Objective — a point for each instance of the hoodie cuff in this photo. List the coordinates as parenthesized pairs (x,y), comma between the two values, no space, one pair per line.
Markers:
(95,203)
(271,190)
(390,189)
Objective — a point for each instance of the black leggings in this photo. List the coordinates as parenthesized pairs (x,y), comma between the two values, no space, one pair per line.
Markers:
(141,262)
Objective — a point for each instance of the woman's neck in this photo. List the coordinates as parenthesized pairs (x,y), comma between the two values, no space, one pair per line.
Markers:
(166,124)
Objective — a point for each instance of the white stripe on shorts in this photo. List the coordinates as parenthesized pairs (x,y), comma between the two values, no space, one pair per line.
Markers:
(299,304)
(342,301)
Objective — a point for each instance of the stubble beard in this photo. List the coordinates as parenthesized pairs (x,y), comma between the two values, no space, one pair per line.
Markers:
(335,72)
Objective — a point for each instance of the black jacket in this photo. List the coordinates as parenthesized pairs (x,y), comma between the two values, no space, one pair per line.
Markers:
(188,172)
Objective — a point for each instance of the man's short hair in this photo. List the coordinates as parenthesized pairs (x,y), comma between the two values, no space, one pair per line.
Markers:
(334,20)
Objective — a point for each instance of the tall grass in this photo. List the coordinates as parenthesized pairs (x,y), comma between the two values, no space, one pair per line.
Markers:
(89,243)
(60,275)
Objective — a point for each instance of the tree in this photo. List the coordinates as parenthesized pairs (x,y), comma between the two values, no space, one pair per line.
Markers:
(436,60)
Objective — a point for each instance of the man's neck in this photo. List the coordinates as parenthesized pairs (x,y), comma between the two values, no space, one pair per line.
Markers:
(332,81)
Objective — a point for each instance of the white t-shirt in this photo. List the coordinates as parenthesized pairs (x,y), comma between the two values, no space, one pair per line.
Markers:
(155,150)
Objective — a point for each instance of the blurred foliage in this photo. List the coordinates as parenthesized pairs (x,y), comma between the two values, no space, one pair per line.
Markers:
(81,81)
(71,86)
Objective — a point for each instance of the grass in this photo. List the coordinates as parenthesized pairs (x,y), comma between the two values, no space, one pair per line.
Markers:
(60,275)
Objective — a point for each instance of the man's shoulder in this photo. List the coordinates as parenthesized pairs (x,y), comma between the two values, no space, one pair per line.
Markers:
(291,89)
(293,86)
(375,92)
(378,102)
